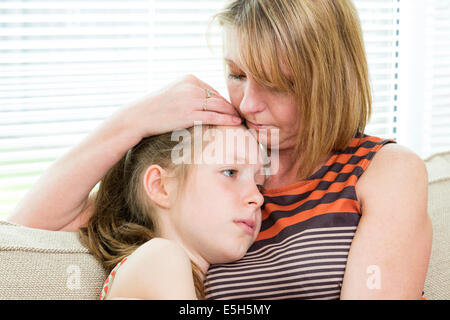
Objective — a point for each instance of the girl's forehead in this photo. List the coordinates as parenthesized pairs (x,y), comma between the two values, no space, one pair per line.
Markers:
(231,145)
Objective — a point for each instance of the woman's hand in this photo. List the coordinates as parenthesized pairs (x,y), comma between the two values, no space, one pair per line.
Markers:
(61,199)
(178,106)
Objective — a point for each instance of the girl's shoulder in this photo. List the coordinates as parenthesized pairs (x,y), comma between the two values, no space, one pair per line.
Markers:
(161,248)
(159,269)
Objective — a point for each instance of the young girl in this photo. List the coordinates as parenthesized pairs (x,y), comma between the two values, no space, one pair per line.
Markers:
(157,225)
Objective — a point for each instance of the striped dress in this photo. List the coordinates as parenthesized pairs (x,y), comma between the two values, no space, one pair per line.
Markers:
(306,233)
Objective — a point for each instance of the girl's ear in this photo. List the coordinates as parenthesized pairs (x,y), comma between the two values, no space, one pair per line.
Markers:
(157,186)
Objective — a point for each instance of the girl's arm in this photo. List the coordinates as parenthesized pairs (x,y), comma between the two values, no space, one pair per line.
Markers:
(389,256)
(61,199)
(159,270)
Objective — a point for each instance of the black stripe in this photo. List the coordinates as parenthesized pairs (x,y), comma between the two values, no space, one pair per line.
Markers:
(327,220)
(337,166)
(284,200)
(247,269)
(346,193)
(366,144)
(310,248)
(354,159)
(261,276)
(298,242)
(272,293)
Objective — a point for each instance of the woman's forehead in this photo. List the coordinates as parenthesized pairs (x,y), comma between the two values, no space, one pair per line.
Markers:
(231,46)
(233,57)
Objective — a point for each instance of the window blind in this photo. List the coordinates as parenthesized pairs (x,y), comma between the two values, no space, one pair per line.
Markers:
(379,20)
(438,75)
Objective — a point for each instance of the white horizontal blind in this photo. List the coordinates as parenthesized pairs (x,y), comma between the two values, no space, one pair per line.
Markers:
(180,45)
(379,19)
(66,65)
(438,75)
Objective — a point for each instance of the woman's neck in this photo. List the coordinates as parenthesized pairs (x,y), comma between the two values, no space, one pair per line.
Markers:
(286,169)
(283,170)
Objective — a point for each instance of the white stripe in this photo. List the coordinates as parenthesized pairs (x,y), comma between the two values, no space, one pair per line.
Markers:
(274,282)
(293,291)
(263,268)
(278,274)
(293,238)
(276,258)
(242,267)
(301,242)
(309,296)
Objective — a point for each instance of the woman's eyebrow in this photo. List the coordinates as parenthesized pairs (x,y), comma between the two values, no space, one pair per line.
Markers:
(231,62)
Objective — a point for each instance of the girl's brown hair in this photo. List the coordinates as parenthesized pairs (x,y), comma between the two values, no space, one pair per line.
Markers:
(320,43)
(123,217)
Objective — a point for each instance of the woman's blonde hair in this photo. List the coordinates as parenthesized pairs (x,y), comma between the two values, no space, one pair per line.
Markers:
(320,44)
(124,217)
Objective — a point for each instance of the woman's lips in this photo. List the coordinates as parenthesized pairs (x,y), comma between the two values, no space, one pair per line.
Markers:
(247,225)
(256,126)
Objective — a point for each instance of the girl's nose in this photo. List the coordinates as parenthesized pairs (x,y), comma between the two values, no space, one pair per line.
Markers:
(255,198)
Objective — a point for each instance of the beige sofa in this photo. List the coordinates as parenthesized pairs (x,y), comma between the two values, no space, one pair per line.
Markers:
(39,264)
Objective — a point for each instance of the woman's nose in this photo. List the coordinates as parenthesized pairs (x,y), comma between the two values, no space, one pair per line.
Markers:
(253,100)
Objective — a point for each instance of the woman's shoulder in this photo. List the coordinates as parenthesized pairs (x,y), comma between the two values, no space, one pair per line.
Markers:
(158,269)
(394,157)
(393,169)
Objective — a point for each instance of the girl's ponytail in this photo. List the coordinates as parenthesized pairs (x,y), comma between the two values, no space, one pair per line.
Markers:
(111,234)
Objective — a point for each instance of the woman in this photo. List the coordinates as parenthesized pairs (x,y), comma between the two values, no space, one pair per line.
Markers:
(298,67)
(158,224)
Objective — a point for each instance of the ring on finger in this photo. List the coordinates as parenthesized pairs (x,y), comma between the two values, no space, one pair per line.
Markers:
(209,93)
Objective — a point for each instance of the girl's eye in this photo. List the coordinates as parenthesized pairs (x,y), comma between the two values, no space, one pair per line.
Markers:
(236,76)
(229,172)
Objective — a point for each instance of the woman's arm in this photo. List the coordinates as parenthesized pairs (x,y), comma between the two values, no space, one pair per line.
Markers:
(61,200)
(390,252)
(58,198)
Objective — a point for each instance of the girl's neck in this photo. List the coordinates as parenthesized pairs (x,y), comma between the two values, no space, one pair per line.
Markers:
(193,255)
(198,260)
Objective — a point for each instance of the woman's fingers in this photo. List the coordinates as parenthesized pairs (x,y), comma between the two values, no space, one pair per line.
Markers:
(216,102)
(215,118)
(219,105)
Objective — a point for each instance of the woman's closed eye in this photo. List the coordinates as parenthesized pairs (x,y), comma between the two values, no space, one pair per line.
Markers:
(260,188)
(237,77)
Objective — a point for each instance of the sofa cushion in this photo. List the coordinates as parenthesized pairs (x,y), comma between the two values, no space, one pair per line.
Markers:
(41,264)
(437,285)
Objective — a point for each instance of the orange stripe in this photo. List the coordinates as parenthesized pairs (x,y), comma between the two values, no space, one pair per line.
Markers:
(342,158)
(329,176)
(315,195)
(340,205)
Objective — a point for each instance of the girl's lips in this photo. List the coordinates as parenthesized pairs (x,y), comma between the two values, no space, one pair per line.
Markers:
(247,225)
